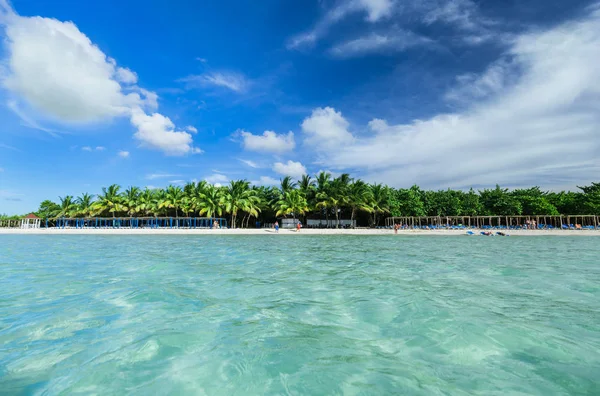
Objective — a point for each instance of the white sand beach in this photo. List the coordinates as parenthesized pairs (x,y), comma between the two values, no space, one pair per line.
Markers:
(263,231)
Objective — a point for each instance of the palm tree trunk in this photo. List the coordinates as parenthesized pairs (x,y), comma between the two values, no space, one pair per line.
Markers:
(337,217)
(243,220)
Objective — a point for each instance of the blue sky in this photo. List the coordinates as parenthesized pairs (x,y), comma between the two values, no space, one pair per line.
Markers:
(442,93)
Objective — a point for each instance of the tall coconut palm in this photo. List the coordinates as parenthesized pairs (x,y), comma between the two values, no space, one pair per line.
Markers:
(209,203)
(84,204)
(172,199)
(338,194)
(235,197)
(292,202)
(379,203)
(109,200)
(147,202)
(360,197)
(321,196)
(131,202)
(250,206)
(199,189)
(287,184)
(68,207)
(308,187)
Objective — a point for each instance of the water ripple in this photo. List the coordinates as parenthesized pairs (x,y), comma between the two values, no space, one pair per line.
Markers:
(304,315)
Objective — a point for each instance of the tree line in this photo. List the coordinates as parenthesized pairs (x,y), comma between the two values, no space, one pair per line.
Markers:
(319,197)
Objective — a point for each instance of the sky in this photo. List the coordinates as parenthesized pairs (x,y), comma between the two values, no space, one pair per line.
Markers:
(439,93)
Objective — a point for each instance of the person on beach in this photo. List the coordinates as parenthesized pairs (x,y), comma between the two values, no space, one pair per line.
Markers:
(298,226)
(396,226)
(277,227)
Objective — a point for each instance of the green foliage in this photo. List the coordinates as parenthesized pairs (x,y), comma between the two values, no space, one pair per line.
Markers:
(499,202)
(48,210)
(322,196)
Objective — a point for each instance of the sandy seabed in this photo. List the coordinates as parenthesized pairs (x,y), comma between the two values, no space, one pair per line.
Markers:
(263,231)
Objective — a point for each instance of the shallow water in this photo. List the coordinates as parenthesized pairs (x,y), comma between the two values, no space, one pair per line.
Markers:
(272,314)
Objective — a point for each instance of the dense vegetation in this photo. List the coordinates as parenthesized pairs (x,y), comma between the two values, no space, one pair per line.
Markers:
(322,197)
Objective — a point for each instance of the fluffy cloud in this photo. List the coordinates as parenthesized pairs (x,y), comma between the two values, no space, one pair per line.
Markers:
(379,43)
(126,76)
(157,131)
(265,181)
(269,141)
(192,129)
(291,168)
(123,154)
(225,79)
(57,70)
(326,129)
(531,118)
(217,178)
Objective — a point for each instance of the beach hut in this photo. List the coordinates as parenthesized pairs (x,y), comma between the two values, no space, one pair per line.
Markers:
(30,221)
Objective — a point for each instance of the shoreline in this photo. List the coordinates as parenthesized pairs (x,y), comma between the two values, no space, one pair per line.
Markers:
(268,231)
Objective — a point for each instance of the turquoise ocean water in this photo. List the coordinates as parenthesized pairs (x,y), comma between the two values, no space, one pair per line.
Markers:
(291,315)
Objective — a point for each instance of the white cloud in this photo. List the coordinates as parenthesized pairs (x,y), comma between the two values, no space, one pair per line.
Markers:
(531,118)
(216,178)
(86,148)
(197,150)
(251,164)
(201,60)
(157,131)
(178,182)
(192,129)
(291,168)
(100,148)
(265,181)
(233,81)
(126,76)
(326,129)
(377,43)
(375,10)
(123,154)
(269,141)
(160,175)
(69,79)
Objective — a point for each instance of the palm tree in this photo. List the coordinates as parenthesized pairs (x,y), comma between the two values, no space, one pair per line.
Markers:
(68,207)
(109,200)
(235,197)
(360,197)
(210,202)
(287,184)
(172,199)
(338,194)
(379,203)
(147,202)
(251,205)
(322,193)
(293,202)
(131,200)
(84,204)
